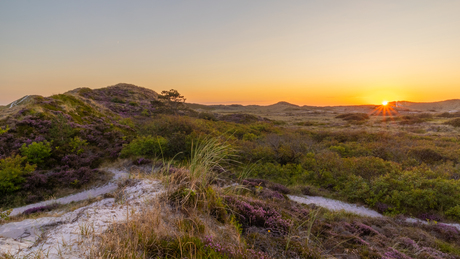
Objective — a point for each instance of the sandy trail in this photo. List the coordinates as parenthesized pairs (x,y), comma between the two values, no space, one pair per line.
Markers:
(335,205)
(72,234)
(84,195)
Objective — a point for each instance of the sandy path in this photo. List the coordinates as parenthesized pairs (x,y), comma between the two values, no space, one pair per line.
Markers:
(335,205)
(72,234)
(84,195)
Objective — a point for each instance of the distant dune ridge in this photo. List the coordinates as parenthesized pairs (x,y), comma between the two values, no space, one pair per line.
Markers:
(123,93)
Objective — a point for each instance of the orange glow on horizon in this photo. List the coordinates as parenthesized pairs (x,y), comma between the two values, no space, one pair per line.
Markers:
(384,110)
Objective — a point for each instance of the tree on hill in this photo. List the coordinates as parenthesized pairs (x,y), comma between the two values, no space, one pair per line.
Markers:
(172,100)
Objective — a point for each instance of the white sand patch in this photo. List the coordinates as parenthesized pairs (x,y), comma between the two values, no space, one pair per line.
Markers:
(72,234)
(18,101)
(336,205)
(84,195)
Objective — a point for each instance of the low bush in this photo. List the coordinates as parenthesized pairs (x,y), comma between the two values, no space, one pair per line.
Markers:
(454,212)
(453,122)
(145,146)
(36,153)
(12,173)
(353,116)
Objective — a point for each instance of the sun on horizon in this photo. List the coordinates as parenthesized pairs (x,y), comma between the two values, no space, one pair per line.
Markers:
(384,103)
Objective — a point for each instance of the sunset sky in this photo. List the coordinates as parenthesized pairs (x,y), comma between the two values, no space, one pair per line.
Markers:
(250,52)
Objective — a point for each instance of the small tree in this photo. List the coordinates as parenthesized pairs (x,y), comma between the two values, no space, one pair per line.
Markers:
(12,172)
(36,152)
(172,99)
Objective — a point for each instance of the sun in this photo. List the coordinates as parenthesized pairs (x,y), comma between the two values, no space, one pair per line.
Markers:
(384,103)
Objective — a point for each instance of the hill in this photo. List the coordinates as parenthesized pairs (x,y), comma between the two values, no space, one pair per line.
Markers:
(65,137)
(441,106)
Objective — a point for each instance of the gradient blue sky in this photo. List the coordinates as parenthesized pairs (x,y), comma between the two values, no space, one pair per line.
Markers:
(305,52)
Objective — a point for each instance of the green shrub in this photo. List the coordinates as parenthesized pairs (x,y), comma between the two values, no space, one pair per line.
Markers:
(117,100)
(145,113)
(412,191)
(353,116)
(36,152)
(2,131)
(356,188)
(146,146)
(12,171)
(454,212)
(249,137)
(285,174)
(207,116)
(454,122)
(77,145)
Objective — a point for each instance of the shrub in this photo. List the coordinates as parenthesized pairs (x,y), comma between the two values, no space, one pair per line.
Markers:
(353,116)
(77,145)
(12,171)
(454,122)
(117,100)
(454,212)
(207,116)
(240,118)
(411,191)
(249,136)
(2,131)
(146,146)
(427,155)
(36,152)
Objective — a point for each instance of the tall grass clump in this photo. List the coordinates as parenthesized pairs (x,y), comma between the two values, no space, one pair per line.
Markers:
(192,186)
(207,157)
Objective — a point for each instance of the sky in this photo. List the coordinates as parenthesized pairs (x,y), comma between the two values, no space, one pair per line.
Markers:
(306,52)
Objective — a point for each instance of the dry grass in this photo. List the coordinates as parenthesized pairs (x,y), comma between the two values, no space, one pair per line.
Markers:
(163,231)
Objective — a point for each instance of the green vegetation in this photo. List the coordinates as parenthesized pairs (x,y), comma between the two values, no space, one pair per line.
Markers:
(12,172)
(36,153)
(2,131)
(146,146)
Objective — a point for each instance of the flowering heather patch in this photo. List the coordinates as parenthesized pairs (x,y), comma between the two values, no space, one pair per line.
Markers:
(429,252)
(269,194)
(365,229)
(232,251)
(124,99)
(279,188)
(258,214)
(447,232)
(409,243)
(394,254)
(40,209)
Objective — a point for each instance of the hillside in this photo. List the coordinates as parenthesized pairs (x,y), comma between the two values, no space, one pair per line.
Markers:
(69,135)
